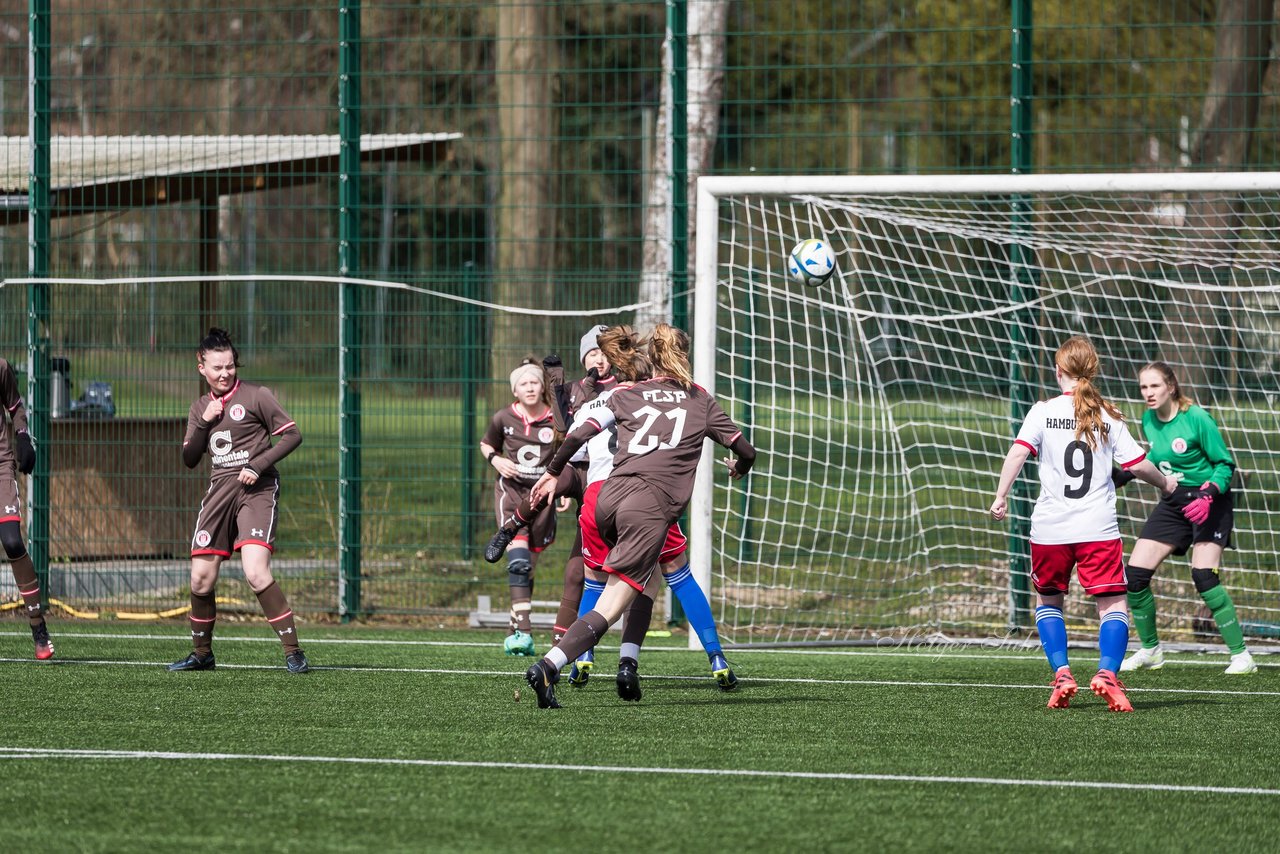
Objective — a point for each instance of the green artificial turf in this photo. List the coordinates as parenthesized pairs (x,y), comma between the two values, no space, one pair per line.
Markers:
(823,750)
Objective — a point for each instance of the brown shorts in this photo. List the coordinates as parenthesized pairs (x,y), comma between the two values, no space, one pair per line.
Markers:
(507,495)
(233,515)
(633,519)
(594,549)
(10,503)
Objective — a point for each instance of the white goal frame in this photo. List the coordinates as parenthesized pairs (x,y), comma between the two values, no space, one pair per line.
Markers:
(710,191)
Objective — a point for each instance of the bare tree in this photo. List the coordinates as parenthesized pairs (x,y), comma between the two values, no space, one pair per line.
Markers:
(1228,118)
(706,29)
(526,71)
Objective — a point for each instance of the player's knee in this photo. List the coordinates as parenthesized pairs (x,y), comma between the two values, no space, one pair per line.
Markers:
(1137,579)
(11,539)
(519,567)
(1205,579)
(519,574)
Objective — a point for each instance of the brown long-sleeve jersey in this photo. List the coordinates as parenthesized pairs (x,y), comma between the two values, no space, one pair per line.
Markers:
(241,437)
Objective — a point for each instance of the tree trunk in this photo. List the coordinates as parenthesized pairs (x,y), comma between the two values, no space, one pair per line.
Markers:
(526,218)
(1199,336)
(706,29)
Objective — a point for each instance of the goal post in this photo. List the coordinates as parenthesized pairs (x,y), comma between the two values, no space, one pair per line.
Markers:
(883,402)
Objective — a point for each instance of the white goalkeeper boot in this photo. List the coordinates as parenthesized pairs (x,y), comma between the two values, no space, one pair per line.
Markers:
(1144,659)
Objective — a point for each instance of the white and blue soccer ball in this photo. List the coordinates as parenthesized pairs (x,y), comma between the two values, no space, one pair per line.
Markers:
(811,262)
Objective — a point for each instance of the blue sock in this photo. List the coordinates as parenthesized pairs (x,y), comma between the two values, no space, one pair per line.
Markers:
(696,608)
(1053,635)
(1113,639)
(591,591)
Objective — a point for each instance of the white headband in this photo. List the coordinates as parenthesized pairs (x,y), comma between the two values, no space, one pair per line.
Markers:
(519,373)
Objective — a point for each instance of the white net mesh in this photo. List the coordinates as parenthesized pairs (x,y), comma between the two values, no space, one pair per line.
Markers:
(883,402)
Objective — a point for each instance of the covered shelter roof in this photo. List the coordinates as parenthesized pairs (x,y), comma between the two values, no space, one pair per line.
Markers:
(106,173)
(91,174)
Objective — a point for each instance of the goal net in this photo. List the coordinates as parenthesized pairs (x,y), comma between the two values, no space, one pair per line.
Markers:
(883,402)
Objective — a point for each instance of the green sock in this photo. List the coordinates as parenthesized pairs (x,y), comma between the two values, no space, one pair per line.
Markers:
(1224,614)
(1143,606)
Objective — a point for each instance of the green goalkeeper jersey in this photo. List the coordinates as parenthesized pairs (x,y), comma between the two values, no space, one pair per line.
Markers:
(1190,445)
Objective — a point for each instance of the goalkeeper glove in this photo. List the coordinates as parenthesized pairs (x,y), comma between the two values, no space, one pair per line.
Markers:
(1120,477)
(26,453)
(1197,510)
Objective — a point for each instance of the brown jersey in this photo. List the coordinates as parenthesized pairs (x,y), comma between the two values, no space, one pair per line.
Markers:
(528,442)
(586,390)
(661,426)
(12,403)
(241,437)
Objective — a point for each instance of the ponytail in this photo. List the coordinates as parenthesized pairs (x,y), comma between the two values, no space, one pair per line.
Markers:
(621,346)
(1089,406)
(669,351)
(1077,359)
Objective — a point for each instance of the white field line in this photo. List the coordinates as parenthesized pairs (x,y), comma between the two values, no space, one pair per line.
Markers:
(442,671)
(941,651)
(180,635)
(54,753)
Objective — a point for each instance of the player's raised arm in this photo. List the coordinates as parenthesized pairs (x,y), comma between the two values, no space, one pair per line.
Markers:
(557,391)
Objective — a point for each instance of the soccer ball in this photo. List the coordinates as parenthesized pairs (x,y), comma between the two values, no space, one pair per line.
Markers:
(811,262)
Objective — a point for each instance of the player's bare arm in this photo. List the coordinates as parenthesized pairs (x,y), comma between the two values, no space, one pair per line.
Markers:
(1013,463)
(1147,472)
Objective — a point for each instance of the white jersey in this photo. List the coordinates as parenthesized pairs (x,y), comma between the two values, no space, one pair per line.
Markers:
(599,449)
(1077,502)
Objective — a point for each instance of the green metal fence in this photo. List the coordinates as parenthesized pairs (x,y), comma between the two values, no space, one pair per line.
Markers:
(486,154)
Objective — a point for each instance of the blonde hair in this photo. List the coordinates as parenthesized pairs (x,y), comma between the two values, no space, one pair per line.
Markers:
(1077,359)
(621,346)
(530,368)
(1171,380)
(669,351)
